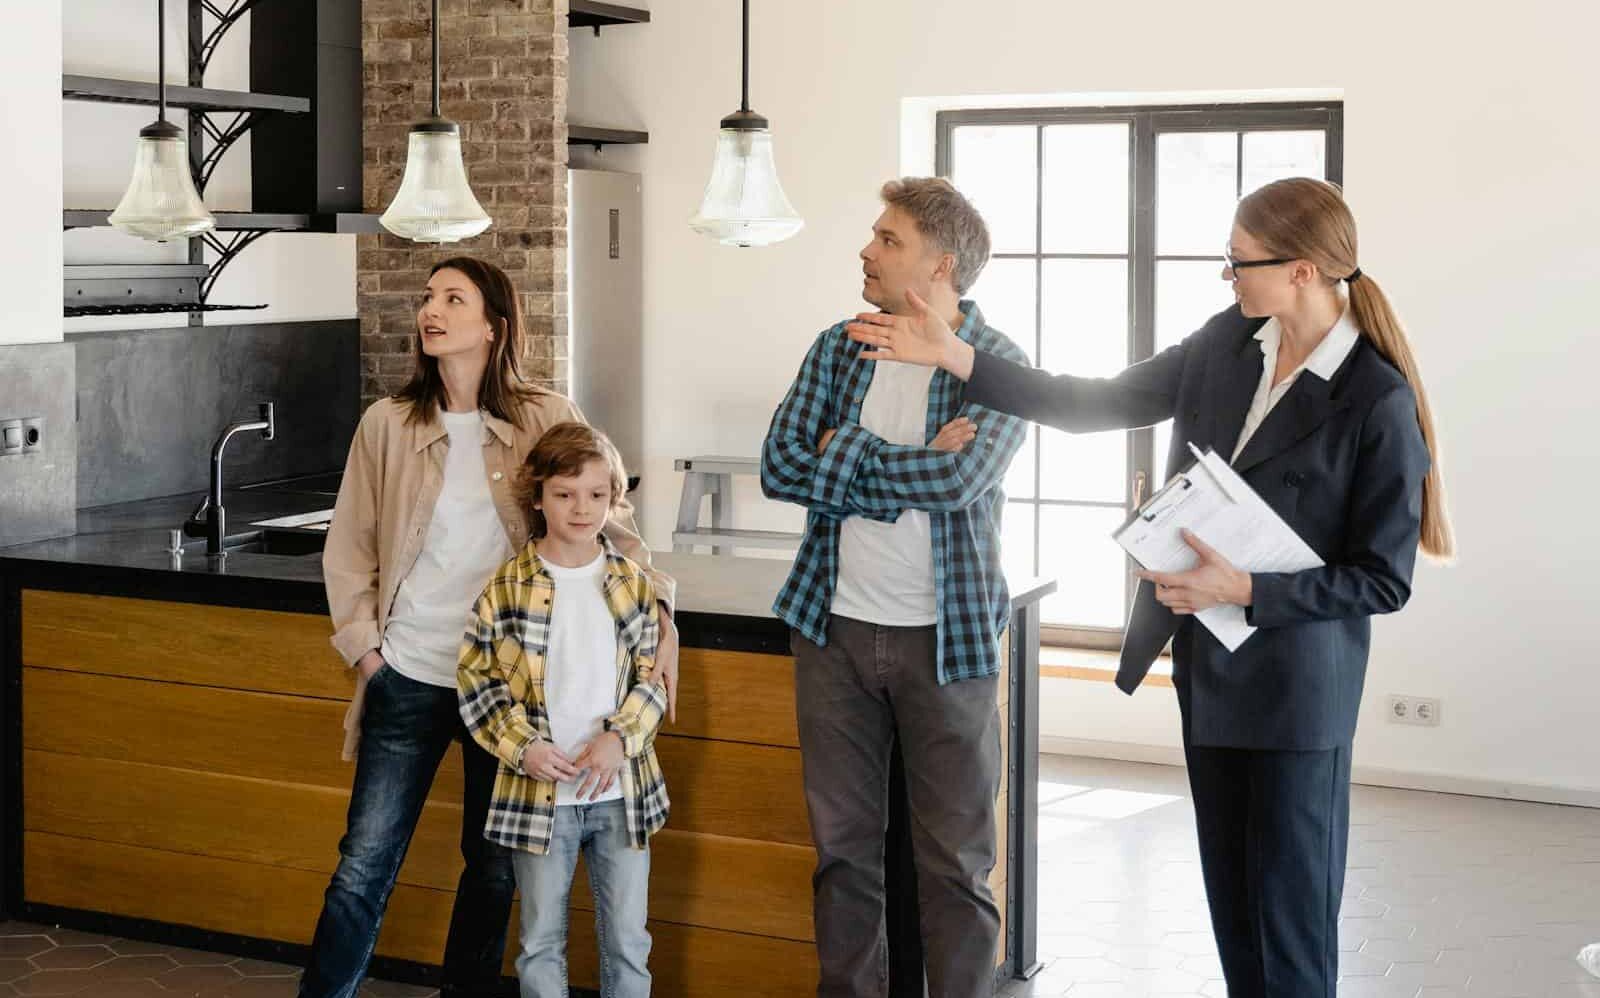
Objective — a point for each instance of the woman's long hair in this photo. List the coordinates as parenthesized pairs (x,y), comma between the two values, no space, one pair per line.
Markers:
(503,390)
(1306,219)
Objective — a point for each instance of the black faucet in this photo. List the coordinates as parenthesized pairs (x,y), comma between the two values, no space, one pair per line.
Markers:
(209,519)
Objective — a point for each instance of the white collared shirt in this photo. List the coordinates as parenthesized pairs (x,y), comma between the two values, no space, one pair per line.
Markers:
(1323,362)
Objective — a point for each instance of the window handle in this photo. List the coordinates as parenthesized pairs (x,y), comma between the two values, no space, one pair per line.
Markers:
(1139,478)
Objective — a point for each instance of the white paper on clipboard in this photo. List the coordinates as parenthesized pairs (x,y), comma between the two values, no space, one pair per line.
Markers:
(1211,501)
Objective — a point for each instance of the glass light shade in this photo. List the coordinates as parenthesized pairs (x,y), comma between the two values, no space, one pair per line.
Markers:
(435,203)
(161,202)
(744,204)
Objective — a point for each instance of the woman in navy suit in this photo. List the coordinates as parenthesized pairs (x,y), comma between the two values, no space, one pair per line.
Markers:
(1314,396)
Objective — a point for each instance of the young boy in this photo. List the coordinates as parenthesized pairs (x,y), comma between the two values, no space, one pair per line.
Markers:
(556,678)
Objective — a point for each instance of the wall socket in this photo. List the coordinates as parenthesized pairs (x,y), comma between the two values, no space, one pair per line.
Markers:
(21,436)
(32,434)
(10,437)
(1413,710)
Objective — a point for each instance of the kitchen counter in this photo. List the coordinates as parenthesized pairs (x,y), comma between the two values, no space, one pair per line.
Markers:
(129,541)
(210,757)
(135,536)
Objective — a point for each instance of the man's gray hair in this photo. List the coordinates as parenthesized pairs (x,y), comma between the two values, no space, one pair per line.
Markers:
(947,219)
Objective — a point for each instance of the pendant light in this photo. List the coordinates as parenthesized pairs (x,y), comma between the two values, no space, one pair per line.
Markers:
(161,202)
(435,203)
(744,205)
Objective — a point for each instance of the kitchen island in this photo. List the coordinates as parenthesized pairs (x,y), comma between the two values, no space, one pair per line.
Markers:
(171,766)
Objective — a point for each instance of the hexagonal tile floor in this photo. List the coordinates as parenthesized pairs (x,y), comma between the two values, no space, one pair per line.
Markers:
(40,960)
(1445,896)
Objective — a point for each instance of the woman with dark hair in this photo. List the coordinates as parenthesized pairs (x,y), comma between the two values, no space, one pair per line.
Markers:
(426,512)
(1313,394)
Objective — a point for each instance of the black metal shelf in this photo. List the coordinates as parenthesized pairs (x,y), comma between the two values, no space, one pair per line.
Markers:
(124,284)
(149,289)
(152,308)
(592,14)
(217,120)
(95,88)
(589,135)
(247,221)
(140,289)
(247,109)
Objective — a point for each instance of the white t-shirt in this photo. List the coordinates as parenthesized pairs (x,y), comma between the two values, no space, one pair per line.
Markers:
(886,569)
(580,669)
(464,545)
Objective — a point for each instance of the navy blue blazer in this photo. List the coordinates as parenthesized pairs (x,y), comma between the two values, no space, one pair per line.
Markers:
(1342,461)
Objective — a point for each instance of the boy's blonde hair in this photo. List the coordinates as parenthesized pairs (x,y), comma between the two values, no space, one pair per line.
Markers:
(563,450)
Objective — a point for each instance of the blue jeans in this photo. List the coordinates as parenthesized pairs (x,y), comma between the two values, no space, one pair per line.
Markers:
(619,876)
(406,728)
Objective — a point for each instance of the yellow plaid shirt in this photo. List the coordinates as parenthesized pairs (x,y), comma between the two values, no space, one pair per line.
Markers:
(500,680)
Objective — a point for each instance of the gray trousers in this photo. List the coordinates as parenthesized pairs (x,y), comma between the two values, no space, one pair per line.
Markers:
(868,687)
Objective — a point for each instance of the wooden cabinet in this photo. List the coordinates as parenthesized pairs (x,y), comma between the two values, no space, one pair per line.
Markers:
(180,765)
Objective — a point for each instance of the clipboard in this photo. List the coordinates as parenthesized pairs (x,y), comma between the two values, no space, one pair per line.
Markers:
(1209,499)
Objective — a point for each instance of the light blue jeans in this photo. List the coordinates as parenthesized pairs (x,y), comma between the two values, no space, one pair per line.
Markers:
(619,875)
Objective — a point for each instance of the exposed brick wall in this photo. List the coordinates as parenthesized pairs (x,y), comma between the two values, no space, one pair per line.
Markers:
(504,71)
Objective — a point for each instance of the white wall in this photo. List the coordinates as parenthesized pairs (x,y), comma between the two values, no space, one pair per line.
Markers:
(1471,147)
(30,172)
(298,276)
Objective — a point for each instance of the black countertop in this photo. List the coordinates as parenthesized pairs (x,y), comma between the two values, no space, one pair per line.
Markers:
(123,549)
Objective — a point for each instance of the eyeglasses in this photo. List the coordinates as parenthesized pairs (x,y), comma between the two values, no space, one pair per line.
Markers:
(1234,266)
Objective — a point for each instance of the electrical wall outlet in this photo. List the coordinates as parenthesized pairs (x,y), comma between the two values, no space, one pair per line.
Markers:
(32,434)
(1422,711)
(10,437)
(21,436)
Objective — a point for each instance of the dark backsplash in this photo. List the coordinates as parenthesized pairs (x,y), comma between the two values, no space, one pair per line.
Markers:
(151,401)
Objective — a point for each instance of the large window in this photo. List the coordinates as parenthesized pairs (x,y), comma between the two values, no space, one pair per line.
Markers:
(1108,227)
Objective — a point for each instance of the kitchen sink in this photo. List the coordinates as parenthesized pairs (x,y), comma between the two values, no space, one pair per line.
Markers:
(290,543)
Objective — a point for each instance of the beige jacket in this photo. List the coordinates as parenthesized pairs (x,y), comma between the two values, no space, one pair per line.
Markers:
(391,483)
